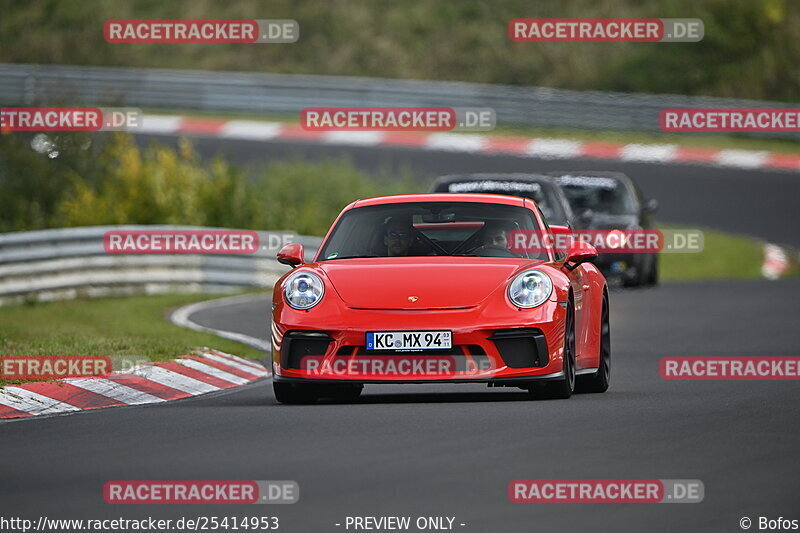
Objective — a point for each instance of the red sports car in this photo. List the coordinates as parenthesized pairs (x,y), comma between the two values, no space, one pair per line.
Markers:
(440,288)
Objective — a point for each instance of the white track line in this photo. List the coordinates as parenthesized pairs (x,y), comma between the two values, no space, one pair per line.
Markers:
(257,372)
(33,403)
(741,158)
(181,317)
(236,358)
(115,391)
(539,148)
(554,148)
(212,371)
(457,142)
(160,124)
(357,138)
(656,153)
(168,378)
(251,130)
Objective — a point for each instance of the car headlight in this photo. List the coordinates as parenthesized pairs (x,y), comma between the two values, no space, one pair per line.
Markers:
(530,289)
(303,290)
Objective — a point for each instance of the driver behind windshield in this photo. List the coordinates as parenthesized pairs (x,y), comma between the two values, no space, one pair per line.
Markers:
(495,234)
(398,237)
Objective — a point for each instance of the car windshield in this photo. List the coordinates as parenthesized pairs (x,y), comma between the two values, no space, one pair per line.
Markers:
(545,197)
(600,194)
(429,229)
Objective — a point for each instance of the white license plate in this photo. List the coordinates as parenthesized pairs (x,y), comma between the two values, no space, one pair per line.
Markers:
(409,340)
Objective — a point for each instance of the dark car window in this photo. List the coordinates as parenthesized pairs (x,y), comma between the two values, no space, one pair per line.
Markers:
(429,229)
(601,194)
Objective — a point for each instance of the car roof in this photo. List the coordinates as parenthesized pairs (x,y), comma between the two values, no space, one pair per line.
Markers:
(498,176)
(591,174)
(557,201)
(440,197)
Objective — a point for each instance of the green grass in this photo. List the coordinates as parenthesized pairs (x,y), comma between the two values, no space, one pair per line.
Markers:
(130,326)
(724,256)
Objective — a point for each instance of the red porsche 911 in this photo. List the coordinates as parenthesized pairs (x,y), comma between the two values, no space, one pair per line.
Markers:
(430,288)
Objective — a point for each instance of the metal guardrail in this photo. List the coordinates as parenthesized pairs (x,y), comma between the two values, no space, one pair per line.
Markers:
(255,93)
(66,263)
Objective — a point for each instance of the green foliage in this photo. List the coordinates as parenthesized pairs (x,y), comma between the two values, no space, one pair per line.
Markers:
(33,182)
(120,183)
(723,257)
(132,326)
(750,48)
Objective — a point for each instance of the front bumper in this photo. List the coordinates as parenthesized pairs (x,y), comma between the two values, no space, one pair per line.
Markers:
(516,346)
(628,266)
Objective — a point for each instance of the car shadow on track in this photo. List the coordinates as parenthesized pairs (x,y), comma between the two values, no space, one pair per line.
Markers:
(436,397)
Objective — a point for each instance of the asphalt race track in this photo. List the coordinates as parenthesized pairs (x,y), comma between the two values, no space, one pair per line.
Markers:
(451,450)
(760,203)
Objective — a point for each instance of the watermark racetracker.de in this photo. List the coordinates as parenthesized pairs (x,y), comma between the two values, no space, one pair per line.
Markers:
(397,119)
(201,31)
(606,30)
(70,118)
(606,491)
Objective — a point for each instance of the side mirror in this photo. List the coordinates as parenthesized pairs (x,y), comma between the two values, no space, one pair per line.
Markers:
(650,206)
(560,230)
(291,254)
(579,252)
(562,236)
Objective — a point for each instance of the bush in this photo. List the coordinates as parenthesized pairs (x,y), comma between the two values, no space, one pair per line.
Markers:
(749,51)
(121,183)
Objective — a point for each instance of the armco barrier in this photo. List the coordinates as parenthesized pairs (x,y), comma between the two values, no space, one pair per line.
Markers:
(256,93)
(65,263)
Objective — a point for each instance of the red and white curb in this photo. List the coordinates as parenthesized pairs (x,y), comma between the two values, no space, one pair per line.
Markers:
(542,148)
(776,262)
(191,375)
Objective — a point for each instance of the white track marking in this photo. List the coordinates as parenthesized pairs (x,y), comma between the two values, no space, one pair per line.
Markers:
(181,316)
(658,153)
(239,366)
(168,378)
(33,403)
(554,148)
(164,124)
(236,358)
(116,391)
(541,148)
(212,371)
(457,142)
(251,129)
(360,138)
(741,158)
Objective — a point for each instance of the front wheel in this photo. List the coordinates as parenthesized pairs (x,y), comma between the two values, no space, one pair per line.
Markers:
(562,388)
(652,273)
(598,381)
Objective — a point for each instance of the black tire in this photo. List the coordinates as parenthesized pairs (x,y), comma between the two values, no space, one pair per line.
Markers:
(652,274)
(294,393)
(640,278)
(563,388)
(599,381)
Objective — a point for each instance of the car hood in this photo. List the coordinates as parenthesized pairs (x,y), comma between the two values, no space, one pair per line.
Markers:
(435,282)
